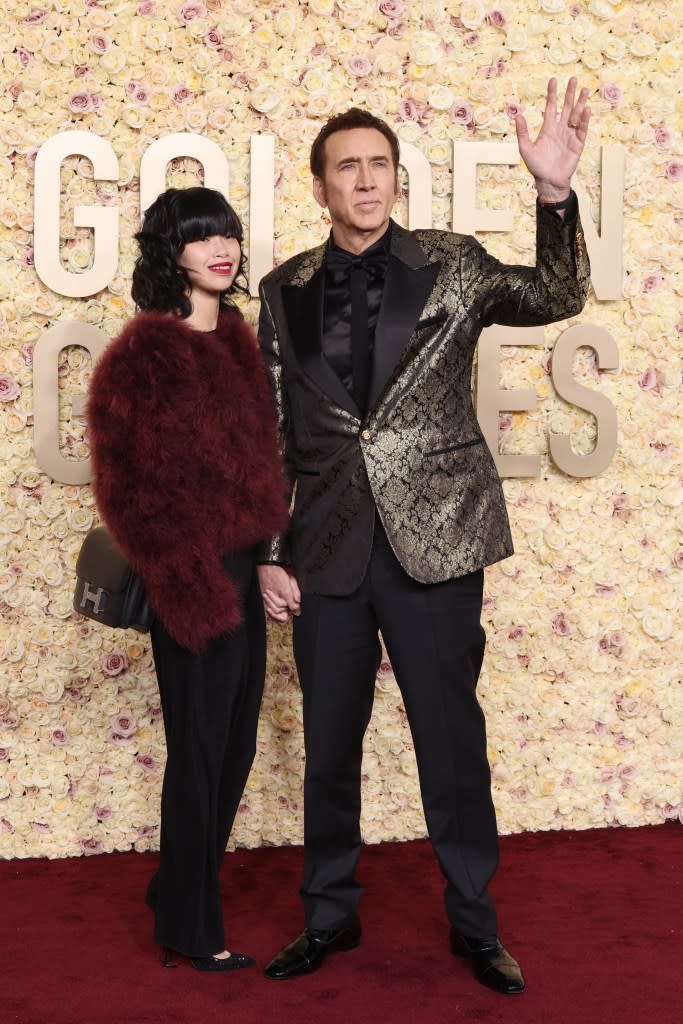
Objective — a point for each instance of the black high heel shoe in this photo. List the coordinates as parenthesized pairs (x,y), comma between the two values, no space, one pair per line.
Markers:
(234,962)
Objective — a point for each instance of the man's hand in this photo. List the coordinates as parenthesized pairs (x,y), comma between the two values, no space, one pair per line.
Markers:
(280,592)
(553,157)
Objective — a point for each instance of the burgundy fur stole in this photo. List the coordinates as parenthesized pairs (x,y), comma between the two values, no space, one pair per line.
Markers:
(187,468)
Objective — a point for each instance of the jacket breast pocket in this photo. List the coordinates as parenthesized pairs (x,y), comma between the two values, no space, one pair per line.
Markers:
(460,446)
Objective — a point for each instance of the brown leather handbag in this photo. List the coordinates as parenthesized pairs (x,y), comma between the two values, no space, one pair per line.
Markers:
(107,590)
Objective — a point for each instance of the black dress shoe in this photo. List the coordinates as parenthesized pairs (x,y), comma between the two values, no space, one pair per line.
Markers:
(234,962)
(493,966)
(210,963)
(307,953)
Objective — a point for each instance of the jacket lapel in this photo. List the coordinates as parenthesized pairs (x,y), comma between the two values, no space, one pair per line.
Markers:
(409,282)
(303,305)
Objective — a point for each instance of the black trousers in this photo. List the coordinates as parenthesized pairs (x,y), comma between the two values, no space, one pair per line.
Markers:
(210,706)
(435,642)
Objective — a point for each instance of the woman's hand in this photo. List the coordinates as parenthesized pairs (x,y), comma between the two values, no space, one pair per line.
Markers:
(280,592)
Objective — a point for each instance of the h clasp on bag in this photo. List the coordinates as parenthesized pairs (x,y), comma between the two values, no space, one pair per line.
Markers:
(107,590)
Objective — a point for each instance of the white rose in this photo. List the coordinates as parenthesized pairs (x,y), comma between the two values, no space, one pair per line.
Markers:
(425,48)
(441,97)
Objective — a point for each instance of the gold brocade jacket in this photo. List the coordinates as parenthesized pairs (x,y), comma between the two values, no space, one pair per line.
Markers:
(417,458)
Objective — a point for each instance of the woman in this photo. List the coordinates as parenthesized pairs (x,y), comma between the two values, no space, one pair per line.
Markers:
(188,480)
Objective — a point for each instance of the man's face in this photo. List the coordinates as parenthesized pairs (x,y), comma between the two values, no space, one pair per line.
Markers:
(359,186)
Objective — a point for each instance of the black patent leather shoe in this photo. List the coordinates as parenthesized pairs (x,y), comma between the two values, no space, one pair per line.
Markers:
(492,964)
(307,953)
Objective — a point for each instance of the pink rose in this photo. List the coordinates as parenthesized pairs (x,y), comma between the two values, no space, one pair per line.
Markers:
(391,9)
(505,422)
(60,737)
(10,720)
(6,826)
(24,56)
(9,388)
(496,18)
(114,662)
(674,170)
(36,17)
(472,39)
(359,65)
(102,813)
(146,830)
(145,9)
(649,381)
(80,103)
(42,827)
(118,740)
(652,282)
(461,112)
(180,93)
(4,754)
(81,70)
(99,42)
(512,109)
(91,846)
(189,11)
(124,724)
(561,624)
(146,762)
(213,39)
(662,137)
(407,110)
(385,670)
(142,94)
(612,94)
(677,558)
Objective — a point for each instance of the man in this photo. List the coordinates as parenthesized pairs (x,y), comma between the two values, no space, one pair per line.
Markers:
(397,504)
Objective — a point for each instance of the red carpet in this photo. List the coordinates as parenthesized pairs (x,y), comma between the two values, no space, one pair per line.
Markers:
(594,917)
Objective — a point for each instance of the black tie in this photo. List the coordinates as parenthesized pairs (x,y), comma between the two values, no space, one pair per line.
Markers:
(358,270)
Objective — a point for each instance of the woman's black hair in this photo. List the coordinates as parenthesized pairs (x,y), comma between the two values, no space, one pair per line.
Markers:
(179,216)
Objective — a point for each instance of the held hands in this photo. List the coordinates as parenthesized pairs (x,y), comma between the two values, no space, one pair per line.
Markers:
(280,592)
(553,157)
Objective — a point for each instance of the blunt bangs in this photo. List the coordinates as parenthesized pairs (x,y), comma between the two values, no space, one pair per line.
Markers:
(204,212)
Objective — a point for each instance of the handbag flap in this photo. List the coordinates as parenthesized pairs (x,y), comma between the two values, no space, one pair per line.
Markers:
(100,562)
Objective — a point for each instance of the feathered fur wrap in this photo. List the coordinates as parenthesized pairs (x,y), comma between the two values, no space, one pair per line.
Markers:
(187,468)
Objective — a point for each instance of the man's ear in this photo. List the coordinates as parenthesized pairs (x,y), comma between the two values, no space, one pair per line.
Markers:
(319,191)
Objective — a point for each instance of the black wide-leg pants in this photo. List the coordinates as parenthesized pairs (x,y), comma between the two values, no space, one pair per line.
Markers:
(435,641)
(210,705)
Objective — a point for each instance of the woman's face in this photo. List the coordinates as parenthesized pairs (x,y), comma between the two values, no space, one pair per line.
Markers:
(211,263)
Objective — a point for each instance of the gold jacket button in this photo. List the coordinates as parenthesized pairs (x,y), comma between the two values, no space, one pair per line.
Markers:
(366,435)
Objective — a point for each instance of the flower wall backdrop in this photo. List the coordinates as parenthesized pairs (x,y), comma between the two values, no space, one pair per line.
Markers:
(581,683)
